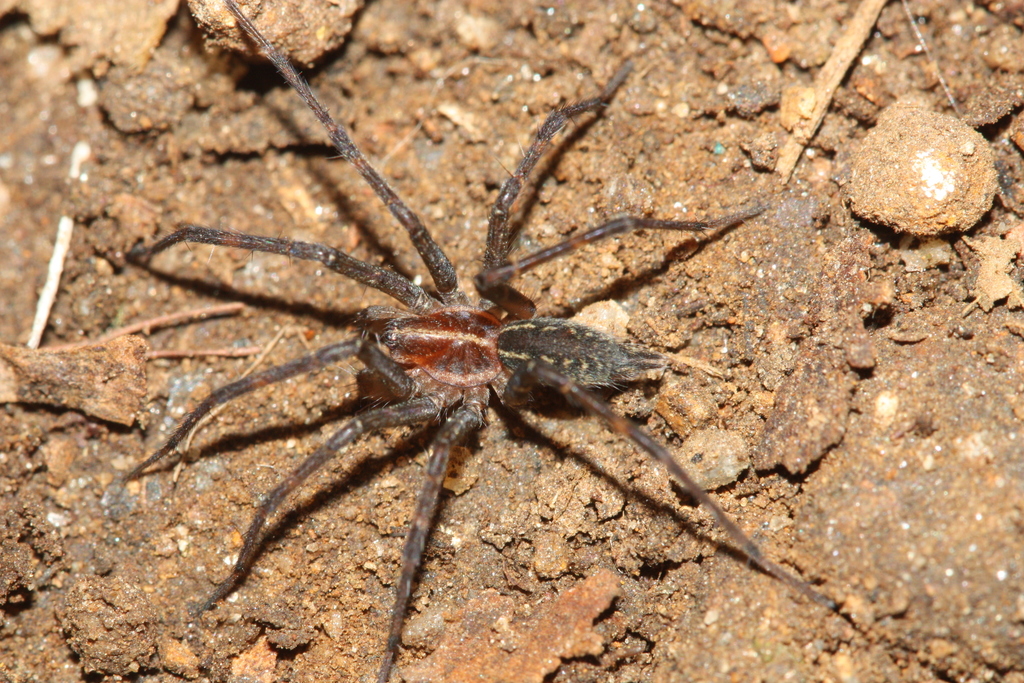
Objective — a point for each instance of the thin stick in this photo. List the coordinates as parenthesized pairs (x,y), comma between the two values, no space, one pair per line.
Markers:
(146,326)
(229,352)
(827,81)
(65,227)
(680,360)
(217,409)
(266,351)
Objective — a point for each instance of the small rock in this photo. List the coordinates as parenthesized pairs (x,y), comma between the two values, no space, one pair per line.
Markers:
(479,34)
(59,453)
(763,151)
(550,556)
(778,45)
(715,457)
(607,316)
(178,658)
(922,255)
(255,665)
(797,105)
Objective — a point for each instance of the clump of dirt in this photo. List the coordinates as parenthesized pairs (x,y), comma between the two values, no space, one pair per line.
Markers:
(921,172)
(109,625)
(871,379)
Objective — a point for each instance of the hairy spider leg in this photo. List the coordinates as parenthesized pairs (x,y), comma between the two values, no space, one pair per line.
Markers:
(442,272)
(497,275)
(381,279)
(375,360)
(492,284)
(413,411)
(535,372)
(466,419)
(501,235)
(394,378)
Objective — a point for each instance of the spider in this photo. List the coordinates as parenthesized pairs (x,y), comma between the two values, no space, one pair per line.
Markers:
(447,352)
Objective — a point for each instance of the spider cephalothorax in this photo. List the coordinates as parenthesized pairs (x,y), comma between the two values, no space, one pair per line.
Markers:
(446,352)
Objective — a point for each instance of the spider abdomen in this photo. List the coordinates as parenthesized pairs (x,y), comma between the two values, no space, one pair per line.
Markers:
(584,354)
(455,345)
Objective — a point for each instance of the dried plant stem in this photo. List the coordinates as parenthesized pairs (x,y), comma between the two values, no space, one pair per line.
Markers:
(827,81)
(147,326)
(65,227)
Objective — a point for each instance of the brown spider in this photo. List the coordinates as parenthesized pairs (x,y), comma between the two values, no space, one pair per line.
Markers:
(446,352)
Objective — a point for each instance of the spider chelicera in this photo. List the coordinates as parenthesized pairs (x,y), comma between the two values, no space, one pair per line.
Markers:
(446,351)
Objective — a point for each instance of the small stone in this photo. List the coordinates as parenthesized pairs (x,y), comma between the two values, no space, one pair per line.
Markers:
(479,34)
(922,255)
(58,454)
(607,316)
(333,624)
(941,648)
(778,45)
(550,555)
(424,629)
(797,105)
(887,404)
(922,173)
(255,665)
(763,151)
(715,457)
(177,658)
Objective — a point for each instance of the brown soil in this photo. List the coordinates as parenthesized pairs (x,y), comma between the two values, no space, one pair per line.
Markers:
(882,412)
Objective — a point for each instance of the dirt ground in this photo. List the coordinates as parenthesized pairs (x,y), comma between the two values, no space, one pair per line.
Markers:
(872,401)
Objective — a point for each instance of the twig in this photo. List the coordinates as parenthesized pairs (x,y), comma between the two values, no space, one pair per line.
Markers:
(184,448)
(228,352)
(828,80)
(680,360)
(266,351)
(146,326)
(65,226)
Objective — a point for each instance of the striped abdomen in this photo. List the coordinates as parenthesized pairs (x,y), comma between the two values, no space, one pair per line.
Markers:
(582,353)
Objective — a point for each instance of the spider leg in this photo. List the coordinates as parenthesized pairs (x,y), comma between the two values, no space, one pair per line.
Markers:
(536,372)
(466,419)
(381,279)
(509,299)
(441,270)
(410,412)
(493,277)
(500,236)
(394,377)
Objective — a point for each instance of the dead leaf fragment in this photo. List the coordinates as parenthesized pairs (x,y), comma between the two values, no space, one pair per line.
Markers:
(486,642)
(994,282)
(105,380)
